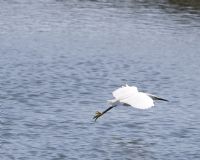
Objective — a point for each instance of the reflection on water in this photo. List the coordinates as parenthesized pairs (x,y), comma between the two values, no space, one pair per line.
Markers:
(60,61)
(186,3)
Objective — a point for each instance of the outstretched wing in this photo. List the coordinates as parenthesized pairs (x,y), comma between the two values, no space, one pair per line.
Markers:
(124,92)
(139,100)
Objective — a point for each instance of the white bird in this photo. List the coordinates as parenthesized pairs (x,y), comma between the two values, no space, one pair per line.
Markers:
(130,96)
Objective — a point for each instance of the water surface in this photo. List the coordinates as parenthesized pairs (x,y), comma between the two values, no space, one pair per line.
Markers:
(60,61)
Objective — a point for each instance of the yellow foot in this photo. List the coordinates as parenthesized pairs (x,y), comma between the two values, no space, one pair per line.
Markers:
(97,115)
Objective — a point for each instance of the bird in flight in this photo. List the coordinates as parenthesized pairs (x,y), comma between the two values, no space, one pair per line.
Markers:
(130,96)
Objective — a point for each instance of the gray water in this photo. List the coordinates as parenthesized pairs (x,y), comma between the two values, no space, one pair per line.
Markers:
(60,60)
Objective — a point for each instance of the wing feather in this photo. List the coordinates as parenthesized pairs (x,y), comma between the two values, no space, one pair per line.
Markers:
(139,100)
(124,92)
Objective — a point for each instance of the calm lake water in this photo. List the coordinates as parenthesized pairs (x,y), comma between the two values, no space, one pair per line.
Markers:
(60,60)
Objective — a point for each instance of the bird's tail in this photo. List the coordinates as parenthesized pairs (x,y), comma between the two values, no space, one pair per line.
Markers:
(112,102)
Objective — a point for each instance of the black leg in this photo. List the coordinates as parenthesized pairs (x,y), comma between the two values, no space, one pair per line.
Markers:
(99,114)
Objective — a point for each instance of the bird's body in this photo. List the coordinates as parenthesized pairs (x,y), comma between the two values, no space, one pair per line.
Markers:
(129,95)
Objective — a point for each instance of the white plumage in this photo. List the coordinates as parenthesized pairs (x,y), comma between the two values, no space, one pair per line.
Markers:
(129,95)
(124,92)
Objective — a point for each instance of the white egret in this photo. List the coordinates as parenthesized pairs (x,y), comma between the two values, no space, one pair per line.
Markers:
(130,96)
